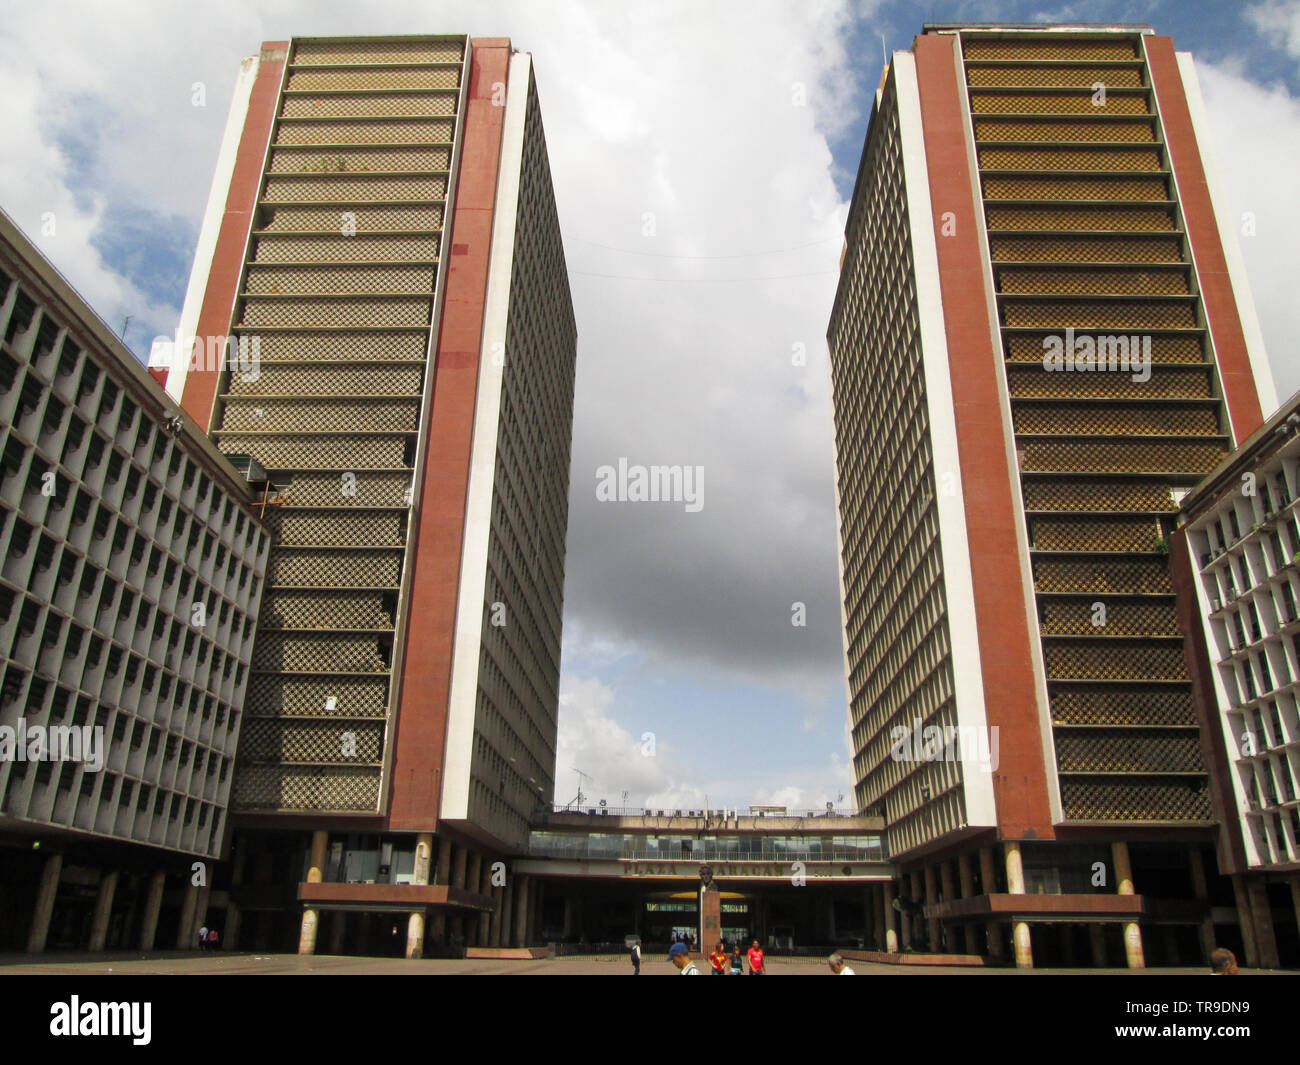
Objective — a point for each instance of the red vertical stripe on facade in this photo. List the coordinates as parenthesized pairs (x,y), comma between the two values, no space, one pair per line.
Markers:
(426,669)
(228,258)
(1006,652)
(1203,234)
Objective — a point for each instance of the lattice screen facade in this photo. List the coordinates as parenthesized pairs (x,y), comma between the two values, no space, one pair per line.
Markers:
(340,289)
(1085,232)
(897,641)
(515,721)
(131,570)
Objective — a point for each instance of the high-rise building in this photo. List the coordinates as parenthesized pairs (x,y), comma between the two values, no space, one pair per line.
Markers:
(131,575)
(1041,340)
(1235,563)
(382,246)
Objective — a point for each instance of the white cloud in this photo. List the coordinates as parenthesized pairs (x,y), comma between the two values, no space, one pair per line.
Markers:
(1256,145)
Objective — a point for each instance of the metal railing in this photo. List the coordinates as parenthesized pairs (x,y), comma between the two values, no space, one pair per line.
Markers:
(700,854)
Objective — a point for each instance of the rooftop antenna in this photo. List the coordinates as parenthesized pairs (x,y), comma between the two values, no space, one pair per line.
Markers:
(125,322)
(578,801)
(884,52)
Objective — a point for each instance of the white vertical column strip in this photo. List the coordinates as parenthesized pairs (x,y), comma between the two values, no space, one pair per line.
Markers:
(954,544)
(493,365)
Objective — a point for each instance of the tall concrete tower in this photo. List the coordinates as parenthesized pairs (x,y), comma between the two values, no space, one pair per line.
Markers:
(1042,338)
(382,248)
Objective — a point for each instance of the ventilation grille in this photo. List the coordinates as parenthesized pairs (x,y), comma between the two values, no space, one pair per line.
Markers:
(343,53)
(337,528)
(1116,496)
(292,280)
(1049,77)
(1055,158)
(325,653)
(279,379)
(1119,132)
(1168,385)
(1112,660)
(1128,752)
(1077,617)
(1123,801)
(361,488)
(1089,456)
(428,131)
(1116,421)
(1121,705)
(1058,535)
(1093,282)
(369,105)
(318,742)
(371,569)
(296,696)
(331,610)
(340,249)
(1057,188)
(333,190)
(409,346)
(265,787)
(343,80)
(358,160)
(1115,576)
(1184,349)
(1099,219)
(1086,249)
(1044,50)
(317,452)
(999,103)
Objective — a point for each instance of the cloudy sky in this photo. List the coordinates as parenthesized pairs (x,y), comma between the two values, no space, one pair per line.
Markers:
(703,154)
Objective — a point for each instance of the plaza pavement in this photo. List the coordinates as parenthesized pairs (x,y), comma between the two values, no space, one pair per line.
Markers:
(221,963)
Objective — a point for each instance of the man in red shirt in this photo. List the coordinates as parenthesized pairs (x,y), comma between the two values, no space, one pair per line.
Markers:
(756,960)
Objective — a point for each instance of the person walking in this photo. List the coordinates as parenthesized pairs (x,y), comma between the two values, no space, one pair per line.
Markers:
(681,957)
(214,940)
(839,967)
(756,960)
(203,938)
(737,961)
(718,959)
(635,955)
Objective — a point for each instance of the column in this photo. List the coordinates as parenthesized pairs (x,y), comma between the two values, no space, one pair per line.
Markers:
(508,911)
(1124,886)
(201,908)
(442,875)
(1295,899)
(152,906)
(472,884)
(1201,891)
(946,886)
(338,929)
(185,929)
(1097,941)
(887,917)
(485,918)
(44,909)
(869,917)
(498,903)
(1245,921)
(230,934)
(904,919)
(1265,940)
(103,910)
(933,935)
(989,885)
(966,879)
(535,909)
(521,911)
(419,875)
(1020,937)
(315,872)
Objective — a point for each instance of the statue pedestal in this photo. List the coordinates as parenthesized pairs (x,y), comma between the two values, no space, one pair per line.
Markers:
(710,918)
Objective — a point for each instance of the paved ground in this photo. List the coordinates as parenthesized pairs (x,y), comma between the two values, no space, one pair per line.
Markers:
(182,963)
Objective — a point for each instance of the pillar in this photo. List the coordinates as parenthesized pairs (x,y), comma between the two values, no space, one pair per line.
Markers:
(521,911)
(152,907)
(989,885)
(869,917)
(949,892)
(933,934)
(485,918)
(887,915)
(315,872)
(472,884)
(1295,899)
(1265,940)
(185,929)
(904,919)
(535,911)
(1097,941)
(508,911)
(44,908)
(966,880)
(1124,886)
(338,930)
(103,910)
(201,908)
(419,875)
(1020,937)
(498,904)
(1201,891)
(230,934)
(1244,921)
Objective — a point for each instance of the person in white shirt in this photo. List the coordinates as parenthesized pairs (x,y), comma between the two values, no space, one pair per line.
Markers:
(681,957)
(839,967)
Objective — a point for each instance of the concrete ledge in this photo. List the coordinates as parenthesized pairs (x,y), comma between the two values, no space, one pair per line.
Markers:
(508,953)
(965,960)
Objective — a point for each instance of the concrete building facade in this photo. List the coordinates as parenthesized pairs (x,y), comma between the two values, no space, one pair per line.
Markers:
(1235,569)
(382,242)
(133,562)
(1041,340)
